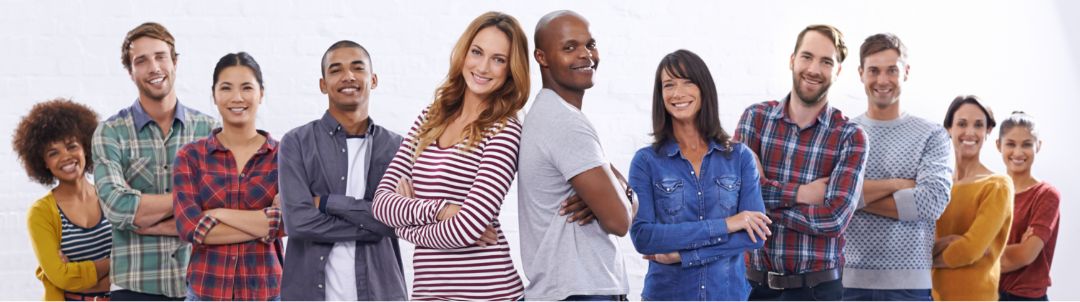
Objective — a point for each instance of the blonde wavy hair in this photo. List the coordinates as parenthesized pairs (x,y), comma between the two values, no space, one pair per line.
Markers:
(503,104)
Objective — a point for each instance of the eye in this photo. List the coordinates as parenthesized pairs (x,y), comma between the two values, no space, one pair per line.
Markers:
(828,63)
(570,48)
(500,60)
(475,51)
(591,45)
(667,85)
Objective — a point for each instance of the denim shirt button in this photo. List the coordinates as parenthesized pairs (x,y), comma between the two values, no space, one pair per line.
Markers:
(701,217)
(699,193)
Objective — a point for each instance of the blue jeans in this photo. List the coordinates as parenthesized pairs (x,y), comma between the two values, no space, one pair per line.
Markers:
(860,294)
(827,291)
(595,298)
(1004,296)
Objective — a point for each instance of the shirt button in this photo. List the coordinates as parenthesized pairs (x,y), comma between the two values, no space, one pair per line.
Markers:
(343,178)
(320,285)
(702,287)
(701,217)
(321,258)
(343,150)
(699,193)
(691,172)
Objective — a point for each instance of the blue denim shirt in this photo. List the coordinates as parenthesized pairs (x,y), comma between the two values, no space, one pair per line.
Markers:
(684,212)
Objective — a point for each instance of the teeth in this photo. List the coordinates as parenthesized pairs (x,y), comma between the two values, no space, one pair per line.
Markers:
(681,105)
(69,168)
(969,143)
(157,80)
(237,110)
(348,90)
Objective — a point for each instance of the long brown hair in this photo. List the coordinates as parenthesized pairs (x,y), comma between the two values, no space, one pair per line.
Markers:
(683,64)
(504,103)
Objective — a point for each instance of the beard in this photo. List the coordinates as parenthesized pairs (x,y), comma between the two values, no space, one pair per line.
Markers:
(144,89)
(811,98)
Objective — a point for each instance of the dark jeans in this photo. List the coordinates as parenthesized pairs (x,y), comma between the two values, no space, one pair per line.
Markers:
(1004,296)
(595,298)
(828,291)
(127,295)
(860,294)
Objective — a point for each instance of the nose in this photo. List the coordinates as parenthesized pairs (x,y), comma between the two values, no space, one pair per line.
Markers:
(349,76)
(678,92)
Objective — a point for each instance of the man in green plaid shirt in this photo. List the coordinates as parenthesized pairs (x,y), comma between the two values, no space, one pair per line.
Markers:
(133,155)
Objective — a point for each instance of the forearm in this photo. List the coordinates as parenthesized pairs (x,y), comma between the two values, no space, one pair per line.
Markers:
(885,207)
(660,238)
(103,285)
(152,209)
(101,266)
(225,234)
(164,228)
(355,211)
(738,244)
(876,189)
(252,222)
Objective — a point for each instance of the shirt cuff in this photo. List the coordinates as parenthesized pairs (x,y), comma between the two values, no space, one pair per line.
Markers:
(202,229)
(273,216)
(718,231)
(323,200)
(789,193)
(906,209)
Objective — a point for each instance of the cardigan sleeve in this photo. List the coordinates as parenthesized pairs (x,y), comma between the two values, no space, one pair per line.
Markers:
(43,223)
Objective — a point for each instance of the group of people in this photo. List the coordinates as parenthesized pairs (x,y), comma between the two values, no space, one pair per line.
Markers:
(801,203)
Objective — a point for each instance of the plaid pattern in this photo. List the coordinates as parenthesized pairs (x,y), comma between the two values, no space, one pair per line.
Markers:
(206,177)
(806,238)
(133,157)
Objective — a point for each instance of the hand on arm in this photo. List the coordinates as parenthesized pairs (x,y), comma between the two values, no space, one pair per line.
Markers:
(598,188)
(885,207)
(813,193)
(1017,256)
(165,227)
(875,190)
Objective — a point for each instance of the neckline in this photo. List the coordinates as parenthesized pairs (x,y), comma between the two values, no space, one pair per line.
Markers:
(101,220)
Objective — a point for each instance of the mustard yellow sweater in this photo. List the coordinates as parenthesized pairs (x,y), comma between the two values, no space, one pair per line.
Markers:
(981,212)
(43,222)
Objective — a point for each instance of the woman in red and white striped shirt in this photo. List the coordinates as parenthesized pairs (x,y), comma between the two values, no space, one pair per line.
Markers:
(445,186)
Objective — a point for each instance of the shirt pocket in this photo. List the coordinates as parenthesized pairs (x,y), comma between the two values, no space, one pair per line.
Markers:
(668,197)
(728,193)
(139,174)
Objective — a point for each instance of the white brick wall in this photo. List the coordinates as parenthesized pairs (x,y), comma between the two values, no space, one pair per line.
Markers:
(1015,55)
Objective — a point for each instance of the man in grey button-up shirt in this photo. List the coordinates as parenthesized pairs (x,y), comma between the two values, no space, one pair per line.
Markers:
(313,171)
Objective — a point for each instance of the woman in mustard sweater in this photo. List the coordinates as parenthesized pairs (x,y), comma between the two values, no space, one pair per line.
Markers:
(972,232)
(69,234)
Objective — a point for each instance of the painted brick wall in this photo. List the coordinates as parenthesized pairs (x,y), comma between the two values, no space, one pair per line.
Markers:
(1015,55)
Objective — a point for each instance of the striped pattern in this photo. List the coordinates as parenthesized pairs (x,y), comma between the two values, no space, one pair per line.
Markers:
(447,263)
(806,238)
(82,244)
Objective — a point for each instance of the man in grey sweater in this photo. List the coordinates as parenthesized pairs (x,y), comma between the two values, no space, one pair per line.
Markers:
(908,181)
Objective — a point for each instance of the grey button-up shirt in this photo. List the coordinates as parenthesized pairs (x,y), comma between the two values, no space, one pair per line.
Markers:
(311,163)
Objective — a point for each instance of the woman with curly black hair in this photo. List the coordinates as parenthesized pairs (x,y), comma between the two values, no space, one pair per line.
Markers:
(69,234)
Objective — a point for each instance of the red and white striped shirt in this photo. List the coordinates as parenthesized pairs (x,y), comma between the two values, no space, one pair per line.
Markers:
(447,263)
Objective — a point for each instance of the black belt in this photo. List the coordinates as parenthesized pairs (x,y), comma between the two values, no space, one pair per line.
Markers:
(102,296)
(779,281)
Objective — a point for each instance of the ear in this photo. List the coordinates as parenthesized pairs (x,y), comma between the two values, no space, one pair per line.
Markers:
(374,81)
(1038,146)
(322,86)
(540,59)
(839,68)
(907,69)
(997,143)
(860,74)
(791,62)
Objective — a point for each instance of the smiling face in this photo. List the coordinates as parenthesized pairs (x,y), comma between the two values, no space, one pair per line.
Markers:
(968,131)
(152,68)
(682,98)
(65,159)
(813,67)
(1018,147)
(487,63)
(570,54)
(348,79)
(882,74)
(237,95)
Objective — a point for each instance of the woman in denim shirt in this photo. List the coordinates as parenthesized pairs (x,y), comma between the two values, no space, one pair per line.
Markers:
(700,204)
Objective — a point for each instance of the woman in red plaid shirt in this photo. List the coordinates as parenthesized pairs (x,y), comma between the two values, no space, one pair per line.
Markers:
(224,196)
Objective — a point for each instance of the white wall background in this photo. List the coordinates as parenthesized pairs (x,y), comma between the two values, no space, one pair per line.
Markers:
(1016,55)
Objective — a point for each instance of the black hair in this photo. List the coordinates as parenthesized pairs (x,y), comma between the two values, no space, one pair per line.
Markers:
(684,64)
(238,59)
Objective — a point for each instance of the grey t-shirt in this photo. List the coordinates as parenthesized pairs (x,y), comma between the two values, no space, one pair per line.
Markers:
(561,259)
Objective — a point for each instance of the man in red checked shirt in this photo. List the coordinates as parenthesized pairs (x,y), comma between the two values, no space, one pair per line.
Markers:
(812,159)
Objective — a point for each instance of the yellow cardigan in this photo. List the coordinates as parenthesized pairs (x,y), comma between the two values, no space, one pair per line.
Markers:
(981,212)
(43,222)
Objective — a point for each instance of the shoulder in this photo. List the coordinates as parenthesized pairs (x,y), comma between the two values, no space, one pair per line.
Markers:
(301,131)
(196,116)
(998,182)
(44,209)
(1047,191)
(381,134)
(194,149)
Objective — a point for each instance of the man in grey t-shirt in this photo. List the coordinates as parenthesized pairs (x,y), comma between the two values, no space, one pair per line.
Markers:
(561,157)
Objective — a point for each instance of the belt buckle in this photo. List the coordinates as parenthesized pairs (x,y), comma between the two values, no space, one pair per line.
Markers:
(769,280)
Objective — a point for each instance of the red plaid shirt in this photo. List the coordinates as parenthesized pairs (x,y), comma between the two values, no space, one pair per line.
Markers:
(206,177)
(806,238)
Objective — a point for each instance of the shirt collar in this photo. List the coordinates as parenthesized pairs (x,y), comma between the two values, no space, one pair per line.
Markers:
(214,145)
(329,122)
(142,118)
(671,148)
(780,112)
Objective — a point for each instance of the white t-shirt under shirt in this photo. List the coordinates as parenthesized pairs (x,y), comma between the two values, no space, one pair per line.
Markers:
(561,259)
(341,265)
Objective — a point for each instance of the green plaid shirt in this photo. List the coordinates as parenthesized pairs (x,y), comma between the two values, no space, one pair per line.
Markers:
(131,157)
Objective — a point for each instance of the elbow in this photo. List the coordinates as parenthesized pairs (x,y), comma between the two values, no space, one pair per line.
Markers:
(617,228)
(641,235)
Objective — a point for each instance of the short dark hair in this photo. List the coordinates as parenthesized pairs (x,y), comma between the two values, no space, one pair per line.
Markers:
(237,59)
(882,42)
(49,122)
(830,32)
(684,64)
(968,99)
(343,44)
(1019,118)
(148,30)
